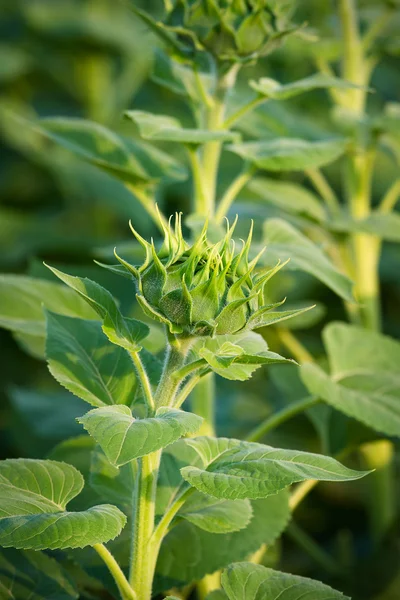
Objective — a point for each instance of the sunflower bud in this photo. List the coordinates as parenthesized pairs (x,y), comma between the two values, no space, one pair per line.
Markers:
(233,30)
(203,289)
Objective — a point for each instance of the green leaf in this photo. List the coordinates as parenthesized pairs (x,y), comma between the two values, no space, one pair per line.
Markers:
(118,156)
(122,331)
(111,483)
(236,357)
(364,382)
(123,438)
(212,551)
(83,361)
(22,300)
(247,581)
(386,227)
(34,575)
(221,516)
(288,196)
(233,469)
(169,129)
(33,499)
(284,241)
(178,77)
(286,154)
(277,91)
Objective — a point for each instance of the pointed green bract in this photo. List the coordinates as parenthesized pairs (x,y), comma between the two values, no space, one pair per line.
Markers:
(123,438)
(122,331)
(286,154)
(247,581)
(250,470)
(364,382)
(33,499)
(83,360)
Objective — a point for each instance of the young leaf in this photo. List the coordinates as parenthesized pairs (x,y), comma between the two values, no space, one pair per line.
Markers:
(216,516)
(284,241)
(82,360)
(364,381)
(286,154)
(247,581)
(122,331)
(251,470)
(34,575)
(277,91)
(212,551)
(169,129)
(33,499)
(123,438)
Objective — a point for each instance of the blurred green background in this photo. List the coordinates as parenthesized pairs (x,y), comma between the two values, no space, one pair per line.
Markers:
(94,59)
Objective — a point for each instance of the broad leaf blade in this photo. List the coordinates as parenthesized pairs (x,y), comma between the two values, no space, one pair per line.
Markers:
(247,581)
(119,330)
(169,129)
(123,438)
(364,381)
(286,154)
(33,499)
(284,241)
(82,360)
(251,470)
(221,516)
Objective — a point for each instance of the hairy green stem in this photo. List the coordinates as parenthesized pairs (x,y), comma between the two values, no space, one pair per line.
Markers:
(280,417)
(174,360)
(233,190)
(124,588)
(201,202)
(144,380)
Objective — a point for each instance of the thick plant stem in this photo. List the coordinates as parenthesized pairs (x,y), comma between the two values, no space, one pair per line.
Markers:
(203,400)
(280,417)
(143,560)
(169,383)
(124,588)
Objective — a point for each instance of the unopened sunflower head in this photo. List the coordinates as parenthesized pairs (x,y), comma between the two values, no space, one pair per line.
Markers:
(201,289)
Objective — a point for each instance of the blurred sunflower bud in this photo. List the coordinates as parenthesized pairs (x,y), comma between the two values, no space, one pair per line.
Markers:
(203,289)
(233,30)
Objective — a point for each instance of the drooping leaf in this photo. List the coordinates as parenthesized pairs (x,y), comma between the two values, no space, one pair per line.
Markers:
(384,226)
(288,196)
(33,499)
(233,469)
(286,154)
(284,241)
(82,359)
(122,331)
(120,157)
(169,129)
(212,551)
(123,438)
(247,581)
(32,574)
(221,516)
(364,380)
(112,484)
(277,91)
(22,300)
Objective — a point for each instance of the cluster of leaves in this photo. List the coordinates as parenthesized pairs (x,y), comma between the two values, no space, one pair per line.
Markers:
(221,497)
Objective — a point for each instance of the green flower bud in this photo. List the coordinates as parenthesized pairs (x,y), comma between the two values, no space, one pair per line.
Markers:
(203,289)
(233,30)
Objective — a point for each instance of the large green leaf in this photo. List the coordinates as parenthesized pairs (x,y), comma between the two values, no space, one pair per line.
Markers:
(386,227)
(364,380)
(22,300)
(118,156)
(286,154)
(288,196)
(82,359)
(277,91)
(31,574)
(122,331)
(212,551)
(33,499)
(123,438)
(284,241)
(169,129)
(236,356)
(247,581)
(216,516)
(233,469)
